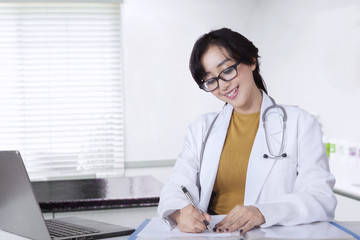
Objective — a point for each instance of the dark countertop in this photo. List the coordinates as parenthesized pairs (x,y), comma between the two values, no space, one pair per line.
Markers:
(100,193)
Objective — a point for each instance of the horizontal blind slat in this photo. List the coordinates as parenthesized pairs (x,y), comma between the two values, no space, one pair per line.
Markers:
(61,95)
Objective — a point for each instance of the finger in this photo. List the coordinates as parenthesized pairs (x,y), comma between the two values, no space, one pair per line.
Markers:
(231,223)
(192,225)
(204,219)
(195,213)
(225,226)
(236,226)
(190,220)
(207,217)
(198,226)
(201,216)
(247,227)
(221,223)
(232,226)
(200,221)
(235,213)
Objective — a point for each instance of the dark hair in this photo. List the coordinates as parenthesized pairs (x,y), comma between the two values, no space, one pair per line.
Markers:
(237,46)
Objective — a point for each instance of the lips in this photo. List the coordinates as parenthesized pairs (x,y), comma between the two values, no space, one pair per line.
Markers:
(232,93)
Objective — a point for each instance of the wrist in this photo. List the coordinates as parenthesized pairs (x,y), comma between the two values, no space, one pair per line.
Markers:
(175,216)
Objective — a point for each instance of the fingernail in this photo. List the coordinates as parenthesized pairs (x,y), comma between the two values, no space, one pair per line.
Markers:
(219,230)
(241,230)
(214,229)
(226,229)
(206,222)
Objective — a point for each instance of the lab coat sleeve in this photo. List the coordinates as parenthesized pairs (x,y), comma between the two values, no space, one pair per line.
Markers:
(312,198)
(184,173)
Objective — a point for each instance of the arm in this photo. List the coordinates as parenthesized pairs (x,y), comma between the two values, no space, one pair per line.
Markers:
(173,205)
(184,173)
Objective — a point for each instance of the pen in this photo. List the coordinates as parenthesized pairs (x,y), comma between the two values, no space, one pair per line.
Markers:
(191,200)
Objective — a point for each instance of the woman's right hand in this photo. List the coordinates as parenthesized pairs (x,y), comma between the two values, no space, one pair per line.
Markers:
(189,219)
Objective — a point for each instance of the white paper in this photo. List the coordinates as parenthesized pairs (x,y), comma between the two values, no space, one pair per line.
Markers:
(158,229)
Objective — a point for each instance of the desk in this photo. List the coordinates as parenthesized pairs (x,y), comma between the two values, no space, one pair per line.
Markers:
(133,217)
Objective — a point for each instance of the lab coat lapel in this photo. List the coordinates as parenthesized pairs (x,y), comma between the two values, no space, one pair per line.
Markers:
(259,167)
(212,155)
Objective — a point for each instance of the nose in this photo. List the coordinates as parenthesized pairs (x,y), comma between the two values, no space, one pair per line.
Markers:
(223,85)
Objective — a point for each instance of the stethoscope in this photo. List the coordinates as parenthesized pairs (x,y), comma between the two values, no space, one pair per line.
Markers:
(281,154)
(283,117)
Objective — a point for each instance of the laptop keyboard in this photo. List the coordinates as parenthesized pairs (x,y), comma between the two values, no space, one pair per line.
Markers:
(61,229)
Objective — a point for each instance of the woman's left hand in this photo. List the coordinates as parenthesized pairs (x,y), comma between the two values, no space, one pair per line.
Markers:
(242,218)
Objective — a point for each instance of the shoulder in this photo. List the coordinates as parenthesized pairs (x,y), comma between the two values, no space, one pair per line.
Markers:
(297,111)
(204,120)
(299,115)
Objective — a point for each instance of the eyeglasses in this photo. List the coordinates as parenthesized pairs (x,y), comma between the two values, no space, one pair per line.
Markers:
(227,74)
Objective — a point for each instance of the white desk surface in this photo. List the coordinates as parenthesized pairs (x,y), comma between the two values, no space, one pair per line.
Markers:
(132,217)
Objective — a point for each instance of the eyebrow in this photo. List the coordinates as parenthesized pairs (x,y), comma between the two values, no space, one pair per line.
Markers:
(219,65)
(222,62)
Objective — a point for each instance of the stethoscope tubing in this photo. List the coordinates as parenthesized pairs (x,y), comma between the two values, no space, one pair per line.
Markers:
(271,155)
(281,153)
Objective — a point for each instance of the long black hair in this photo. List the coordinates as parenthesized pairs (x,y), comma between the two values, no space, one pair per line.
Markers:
(237,46)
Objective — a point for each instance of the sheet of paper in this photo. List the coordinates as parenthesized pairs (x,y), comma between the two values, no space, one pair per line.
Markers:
(318,230)
(158,229)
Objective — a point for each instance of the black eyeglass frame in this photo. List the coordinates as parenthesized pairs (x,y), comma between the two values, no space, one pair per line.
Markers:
(202,85)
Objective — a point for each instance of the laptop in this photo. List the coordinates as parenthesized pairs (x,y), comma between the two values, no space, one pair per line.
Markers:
(20,212)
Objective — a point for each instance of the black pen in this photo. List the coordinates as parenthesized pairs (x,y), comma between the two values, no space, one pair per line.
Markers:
(191,200)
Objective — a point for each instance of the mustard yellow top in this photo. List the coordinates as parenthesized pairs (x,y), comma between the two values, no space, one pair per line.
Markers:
(229,187)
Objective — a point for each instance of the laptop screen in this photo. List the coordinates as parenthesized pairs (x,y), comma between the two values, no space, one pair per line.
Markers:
(18,207)
(20,212)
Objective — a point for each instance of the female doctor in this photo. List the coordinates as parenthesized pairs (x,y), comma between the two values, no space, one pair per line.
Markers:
(233,164)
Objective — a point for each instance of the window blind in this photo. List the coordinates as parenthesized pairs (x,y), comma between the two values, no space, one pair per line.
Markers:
(61,88)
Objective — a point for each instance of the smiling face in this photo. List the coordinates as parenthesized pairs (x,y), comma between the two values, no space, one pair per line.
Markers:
(241,92)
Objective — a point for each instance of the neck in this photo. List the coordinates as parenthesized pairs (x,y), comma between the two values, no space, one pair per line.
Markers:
(253,105)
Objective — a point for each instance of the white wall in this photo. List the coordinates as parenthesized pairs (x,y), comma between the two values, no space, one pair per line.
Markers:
(310,57)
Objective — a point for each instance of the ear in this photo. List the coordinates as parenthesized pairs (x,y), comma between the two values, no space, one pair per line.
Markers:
(253,66)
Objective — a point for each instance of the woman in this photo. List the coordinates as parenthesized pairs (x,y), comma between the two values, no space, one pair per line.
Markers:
(256,176)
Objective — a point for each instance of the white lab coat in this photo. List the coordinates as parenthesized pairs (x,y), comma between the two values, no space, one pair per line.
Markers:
(293,190)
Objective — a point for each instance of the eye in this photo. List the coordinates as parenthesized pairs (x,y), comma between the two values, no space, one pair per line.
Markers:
(211,81)
(228,71)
